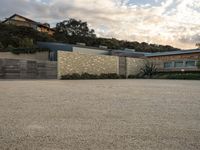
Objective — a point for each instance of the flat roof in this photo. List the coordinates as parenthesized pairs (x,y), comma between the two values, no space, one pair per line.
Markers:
(181,52)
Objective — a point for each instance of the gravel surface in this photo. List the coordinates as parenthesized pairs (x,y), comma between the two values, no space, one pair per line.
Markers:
(99,115)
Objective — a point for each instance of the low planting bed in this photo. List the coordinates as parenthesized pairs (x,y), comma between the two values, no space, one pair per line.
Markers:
(76,76)
(178,75)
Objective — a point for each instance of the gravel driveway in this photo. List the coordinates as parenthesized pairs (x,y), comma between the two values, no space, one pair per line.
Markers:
(99,115)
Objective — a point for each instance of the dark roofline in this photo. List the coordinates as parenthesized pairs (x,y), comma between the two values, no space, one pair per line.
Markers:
(91,47)
(37,23)
(181,52)
(21,17)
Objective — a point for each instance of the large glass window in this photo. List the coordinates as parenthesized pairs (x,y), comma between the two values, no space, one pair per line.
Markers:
(178,64)
(190,63)
(168,65)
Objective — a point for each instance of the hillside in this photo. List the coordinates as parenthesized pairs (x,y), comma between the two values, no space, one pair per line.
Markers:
(15,36)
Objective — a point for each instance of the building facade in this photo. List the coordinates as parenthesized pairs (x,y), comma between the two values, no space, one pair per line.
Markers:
(26,22)
(185,60)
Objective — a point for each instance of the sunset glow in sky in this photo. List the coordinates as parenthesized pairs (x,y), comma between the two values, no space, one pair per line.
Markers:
(167,22)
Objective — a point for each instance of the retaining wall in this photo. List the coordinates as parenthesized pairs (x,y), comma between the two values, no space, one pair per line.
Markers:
(27,69)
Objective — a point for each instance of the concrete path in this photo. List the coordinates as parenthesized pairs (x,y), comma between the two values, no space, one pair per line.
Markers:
(100,115)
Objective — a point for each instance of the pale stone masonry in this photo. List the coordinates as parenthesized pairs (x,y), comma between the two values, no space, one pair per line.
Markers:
(134,65)
(73,62)
(69,63)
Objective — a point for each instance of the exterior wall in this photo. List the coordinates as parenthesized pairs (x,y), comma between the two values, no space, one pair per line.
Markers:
(45,30)
(134,65)
(19,18)
(90,51)
(193,56)
(19,21)
(173,58)
(178,69)
(69,63)
(27,69)
(36,56)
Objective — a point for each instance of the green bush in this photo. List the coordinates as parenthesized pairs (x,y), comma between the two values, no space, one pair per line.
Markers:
(10,47)
(27,50)
(26,43)
(178,75)
(198,64)
(91,76)
(1,46)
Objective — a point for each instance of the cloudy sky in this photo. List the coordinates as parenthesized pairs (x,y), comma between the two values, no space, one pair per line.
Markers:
(172,22)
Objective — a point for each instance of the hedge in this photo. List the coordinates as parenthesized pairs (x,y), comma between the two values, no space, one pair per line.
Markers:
(76,76)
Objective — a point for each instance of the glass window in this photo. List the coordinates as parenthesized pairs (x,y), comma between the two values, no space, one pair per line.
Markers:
(190,63)
(178,64)
(168,65)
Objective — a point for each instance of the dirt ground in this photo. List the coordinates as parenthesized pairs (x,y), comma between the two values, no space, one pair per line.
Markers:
(99,115)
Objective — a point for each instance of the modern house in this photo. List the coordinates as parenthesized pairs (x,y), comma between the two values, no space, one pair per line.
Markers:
(184,60)
(23,21)
(80,48)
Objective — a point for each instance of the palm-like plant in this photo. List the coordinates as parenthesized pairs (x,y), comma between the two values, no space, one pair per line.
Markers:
(149,69)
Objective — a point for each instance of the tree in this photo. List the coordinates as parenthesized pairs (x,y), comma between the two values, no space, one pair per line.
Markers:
(18,36)
(73,27)
(26,43)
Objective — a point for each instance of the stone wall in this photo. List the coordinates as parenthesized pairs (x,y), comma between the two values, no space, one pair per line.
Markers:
(27,69)
(134,65)
(69,63)
(44,56)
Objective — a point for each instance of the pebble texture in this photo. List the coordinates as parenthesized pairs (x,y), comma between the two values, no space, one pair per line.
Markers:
(69,63)
(100,115)
(134,65)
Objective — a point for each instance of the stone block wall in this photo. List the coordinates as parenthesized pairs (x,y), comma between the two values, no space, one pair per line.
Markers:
(27,69)
(73,62)
(69,63)
(134,65)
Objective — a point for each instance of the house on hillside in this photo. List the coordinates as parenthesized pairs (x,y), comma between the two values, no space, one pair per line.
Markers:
(23,21)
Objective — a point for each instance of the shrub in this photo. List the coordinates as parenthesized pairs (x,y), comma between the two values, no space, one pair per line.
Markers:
(198,64)
(148,70)
(27,50)
(178,75)
(26,43)
(1,46)
(91,76)
(10,47)
(109,76)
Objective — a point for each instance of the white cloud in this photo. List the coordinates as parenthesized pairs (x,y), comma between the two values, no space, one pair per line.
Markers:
(173,22)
